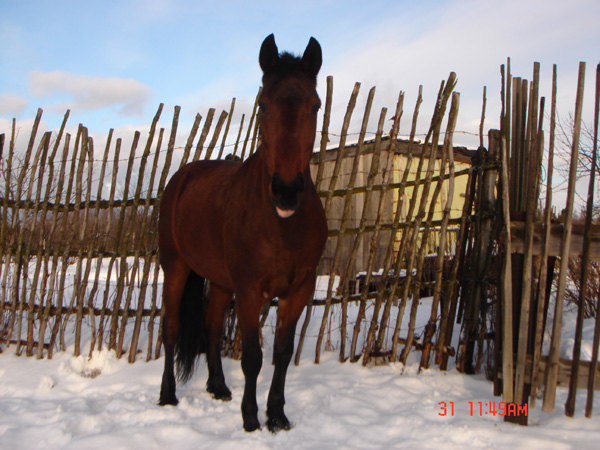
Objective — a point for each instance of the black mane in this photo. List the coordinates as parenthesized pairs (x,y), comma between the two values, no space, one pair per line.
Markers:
(287,65)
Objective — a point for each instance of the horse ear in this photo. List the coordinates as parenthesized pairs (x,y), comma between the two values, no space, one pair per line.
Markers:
(269,55)
(313,57)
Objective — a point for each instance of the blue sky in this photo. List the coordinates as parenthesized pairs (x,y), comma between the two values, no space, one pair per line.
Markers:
(113,62)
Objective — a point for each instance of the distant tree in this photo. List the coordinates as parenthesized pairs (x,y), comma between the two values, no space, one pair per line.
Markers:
(564,146)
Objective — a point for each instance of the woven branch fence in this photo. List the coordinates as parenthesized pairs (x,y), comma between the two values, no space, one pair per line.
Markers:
(514,296)
(78,239)
(423,235)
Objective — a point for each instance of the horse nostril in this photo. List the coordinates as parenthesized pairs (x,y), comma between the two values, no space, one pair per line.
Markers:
(280,187)
(277,184)
(298,182)
(287,196)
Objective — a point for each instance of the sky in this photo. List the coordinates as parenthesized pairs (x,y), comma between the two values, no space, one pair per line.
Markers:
(112,62)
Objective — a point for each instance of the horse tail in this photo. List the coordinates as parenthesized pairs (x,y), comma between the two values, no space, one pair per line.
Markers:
(192,339)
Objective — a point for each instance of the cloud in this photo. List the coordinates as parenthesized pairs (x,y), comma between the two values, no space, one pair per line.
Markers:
(12,105)
(471,38)
(91,93)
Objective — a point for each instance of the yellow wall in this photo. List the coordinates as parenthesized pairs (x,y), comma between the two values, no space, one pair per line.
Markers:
(458,198)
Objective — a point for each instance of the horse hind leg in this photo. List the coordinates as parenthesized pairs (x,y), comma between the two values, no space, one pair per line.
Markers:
(173,287)
(220,299)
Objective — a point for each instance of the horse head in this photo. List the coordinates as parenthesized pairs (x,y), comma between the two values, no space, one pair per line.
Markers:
(288,120)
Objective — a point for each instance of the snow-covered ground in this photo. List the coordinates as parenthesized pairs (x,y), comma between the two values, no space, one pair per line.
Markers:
(103,402)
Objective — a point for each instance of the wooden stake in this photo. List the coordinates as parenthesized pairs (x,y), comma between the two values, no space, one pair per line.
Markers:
(229,116)
(448,149)
(399,257)
(204,134)
(360,237)
(552,368)
(345,214)
(541,293)
(591,380)
(318,180)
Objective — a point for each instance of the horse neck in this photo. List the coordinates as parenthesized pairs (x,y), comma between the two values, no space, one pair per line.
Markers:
(253,173)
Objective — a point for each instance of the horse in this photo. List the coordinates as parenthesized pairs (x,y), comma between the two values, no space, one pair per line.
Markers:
(247,232)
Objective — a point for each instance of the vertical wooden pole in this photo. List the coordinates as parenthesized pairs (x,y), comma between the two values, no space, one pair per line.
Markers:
(96,247)
(533,171)
(161,185)
(229,116)
(345,214)
(318,180)
(113,258)
(370,341)
(62,319)
(431,144)
(332,184)
(5,253)
(65,245)
(190,141)
(28,222)
(251,123)
(374,169)
(17,236)
(506,279)
(594,363)
(552,368)
(84,241)
(204,134)
(543,276)
(439,269)
(410,228)
(216,134)
(153,220)
(37,229)
(387,179)
(141,251)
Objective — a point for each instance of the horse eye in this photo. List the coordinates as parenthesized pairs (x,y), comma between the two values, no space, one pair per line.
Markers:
(316,108)
(262,107)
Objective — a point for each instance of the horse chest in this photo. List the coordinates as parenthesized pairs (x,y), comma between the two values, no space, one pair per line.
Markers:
(272,263)
(281,278)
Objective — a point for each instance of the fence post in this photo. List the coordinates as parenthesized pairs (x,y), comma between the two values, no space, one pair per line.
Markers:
(476,285)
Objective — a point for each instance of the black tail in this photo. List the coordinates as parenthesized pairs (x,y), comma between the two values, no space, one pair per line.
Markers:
(192,340)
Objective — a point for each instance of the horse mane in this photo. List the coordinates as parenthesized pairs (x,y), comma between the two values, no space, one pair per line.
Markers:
(287,65)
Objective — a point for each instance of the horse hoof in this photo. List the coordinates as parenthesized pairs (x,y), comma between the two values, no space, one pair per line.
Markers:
(166,399)
(222,393)
(276,424)
(251,426)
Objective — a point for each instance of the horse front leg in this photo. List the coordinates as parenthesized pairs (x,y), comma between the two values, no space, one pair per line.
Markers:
(220,299)
(288,313)
(248,312)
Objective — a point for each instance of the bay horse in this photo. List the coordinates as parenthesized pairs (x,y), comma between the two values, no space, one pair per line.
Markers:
(250,231)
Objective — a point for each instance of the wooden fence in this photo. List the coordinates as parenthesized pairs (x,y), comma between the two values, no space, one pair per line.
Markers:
(78,235)
(511,305)
(403,263)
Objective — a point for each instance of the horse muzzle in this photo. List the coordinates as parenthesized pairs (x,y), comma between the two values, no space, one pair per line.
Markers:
(287,196)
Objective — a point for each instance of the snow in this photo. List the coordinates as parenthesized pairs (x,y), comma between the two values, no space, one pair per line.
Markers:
(103,402)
